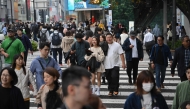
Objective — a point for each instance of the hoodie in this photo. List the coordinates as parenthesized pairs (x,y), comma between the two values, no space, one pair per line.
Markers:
(156,31)
(67,43)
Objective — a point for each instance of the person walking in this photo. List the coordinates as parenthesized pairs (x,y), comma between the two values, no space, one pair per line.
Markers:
(99,55)
(24,77)
(133,53)
(181,59)
(159,56)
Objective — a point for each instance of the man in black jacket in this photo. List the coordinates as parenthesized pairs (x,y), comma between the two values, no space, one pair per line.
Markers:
(181,59)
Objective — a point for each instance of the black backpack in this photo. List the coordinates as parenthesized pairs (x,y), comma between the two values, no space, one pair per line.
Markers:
(43,37)
(56,40)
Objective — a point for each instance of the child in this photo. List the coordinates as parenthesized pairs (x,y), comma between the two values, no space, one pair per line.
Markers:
(24,77)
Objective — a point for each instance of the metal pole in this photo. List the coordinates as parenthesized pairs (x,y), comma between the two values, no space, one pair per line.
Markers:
(11,11)
(165,20)
(174,23)
(34,10)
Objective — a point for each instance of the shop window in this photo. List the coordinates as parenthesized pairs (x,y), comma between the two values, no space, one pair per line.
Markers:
(95,1)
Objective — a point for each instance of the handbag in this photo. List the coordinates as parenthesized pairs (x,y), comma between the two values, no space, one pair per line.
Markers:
(149,44)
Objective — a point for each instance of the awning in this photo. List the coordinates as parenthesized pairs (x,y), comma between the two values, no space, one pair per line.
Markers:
(88,9)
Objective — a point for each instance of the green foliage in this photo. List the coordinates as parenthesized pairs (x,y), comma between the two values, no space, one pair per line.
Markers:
(177,44)
(122,12)
(34,45)
(105,3)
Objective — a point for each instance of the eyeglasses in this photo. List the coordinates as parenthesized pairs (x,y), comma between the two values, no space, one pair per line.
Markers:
(5,75)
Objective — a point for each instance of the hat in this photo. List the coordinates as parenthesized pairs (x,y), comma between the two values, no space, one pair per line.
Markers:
(10,30)
(133,33)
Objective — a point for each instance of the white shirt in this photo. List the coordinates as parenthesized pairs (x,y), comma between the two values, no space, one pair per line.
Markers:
(123,38)
(147,101)
(148,37)
(112,58)
(134,49)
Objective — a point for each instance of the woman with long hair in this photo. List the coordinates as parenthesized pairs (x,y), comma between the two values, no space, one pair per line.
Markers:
(24,77)
(99,55)
(10,95)
(146,96)
(50,94)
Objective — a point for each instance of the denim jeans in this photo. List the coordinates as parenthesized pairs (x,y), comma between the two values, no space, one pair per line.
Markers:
(59,50)
(160,69)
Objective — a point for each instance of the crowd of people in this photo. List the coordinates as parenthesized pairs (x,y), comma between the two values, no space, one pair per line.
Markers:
(89,56)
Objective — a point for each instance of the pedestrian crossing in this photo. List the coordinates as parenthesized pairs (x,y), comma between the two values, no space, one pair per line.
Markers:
(125,89)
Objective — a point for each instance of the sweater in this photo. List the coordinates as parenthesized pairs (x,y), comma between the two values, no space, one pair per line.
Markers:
(182,94)
(23,81)
(67,43)
(134,101)
(99,54)
(36,68)
(41,96)
(16,99)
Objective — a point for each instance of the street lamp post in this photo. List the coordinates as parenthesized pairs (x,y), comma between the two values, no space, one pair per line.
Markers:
(34,10)
(11,11)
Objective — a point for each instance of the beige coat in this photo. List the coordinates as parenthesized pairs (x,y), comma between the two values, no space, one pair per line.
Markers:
(41,95)
(67,43)
(99,54)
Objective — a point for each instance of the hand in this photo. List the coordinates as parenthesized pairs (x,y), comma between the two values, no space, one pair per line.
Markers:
(131,46)
(31,52)
(153,66)
(72,52)
(93,54)
(31,87)
(123,66)
(6,55)
(172,75)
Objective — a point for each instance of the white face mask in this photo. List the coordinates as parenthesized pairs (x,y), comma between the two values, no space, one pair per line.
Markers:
(147,86)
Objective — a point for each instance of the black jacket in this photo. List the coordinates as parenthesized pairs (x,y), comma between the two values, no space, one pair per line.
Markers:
(92,64)
(179,60)
(104,46)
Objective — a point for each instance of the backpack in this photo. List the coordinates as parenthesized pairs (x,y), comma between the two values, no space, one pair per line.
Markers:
(56,40)
(43,37)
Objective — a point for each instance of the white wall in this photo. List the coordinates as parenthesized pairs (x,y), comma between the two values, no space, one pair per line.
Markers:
(186,25)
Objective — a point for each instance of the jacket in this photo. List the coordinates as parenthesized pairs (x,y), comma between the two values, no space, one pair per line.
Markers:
(99,54)
(16,98)
(26,42)
(23,82)
(134,101)
(179,60)
(156,31)
(36,68)
(67,43)
(128,50)
(166,54)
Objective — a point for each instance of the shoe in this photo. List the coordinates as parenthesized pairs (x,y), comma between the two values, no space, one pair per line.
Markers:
(115,93)
(130,82)
(162,85)
(93,89)
(98,92)
(159,89)
(110,94)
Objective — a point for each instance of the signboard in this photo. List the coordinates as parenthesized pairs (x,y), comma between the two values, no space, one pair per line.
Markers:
(109,22)
(71,5)
(131,25)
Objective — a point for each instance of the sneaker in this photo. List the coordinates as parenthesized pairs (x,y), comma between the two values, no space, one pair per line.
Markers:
(162,85)
(98,92)
(93,90)
(110,94)
(130,82)
(159,89)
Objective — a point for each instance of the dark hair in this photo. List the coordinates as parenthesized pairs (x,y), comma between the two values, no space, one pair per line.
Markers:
(53,99)
(94,101)
(161,37)
(79,35)
(109,34)
(68,33)
(55,28)
(14,62)
(124,31)
(89,33)
(182,39)
(12,73)
(187,68)
(97,40)
(73,75)
(99,29)
(184,104)
(103,36)
(43,44)
(145,76)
